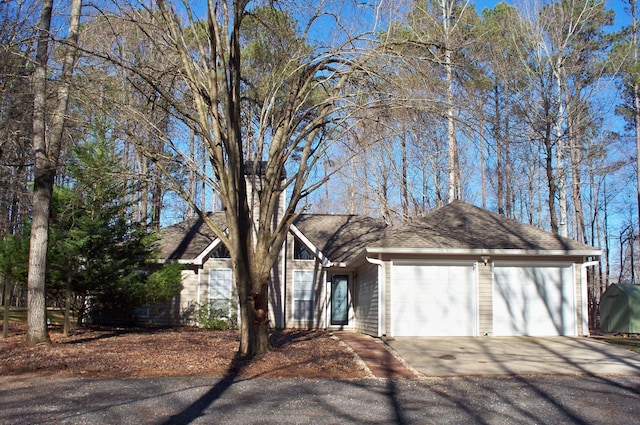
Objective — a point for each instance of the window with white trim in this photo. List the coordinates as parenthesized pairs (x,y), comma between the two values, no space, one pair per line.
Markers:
(301,252)
(303,291)
(220,251)
(220,289)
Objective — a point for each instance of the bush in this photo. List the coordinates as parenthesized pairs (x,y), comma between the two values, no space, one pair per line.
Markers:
(214,315)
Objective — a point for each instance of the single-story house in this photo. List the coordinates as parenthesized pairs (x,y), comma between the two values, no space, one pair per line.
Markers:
(620,309)
(459,271)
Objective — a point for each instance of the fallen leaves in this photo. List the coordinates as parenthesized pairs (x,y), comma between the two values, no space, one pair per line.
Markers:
(121,353)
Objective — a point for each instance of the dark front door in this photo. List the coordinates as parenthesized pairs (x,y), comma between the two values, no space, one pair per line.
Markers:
(340,300)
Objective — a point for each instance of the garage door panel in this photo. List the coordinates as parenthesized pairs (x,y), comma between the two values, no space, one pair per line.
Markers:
(535,301)
(434,300)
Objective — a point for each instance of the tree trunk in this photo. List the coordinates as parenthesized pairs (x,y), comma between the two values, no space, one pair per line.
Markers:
(576,181)
(254,308)
(67,305)
(454,172)
(42,190)
(508,171)
(552,185)
(6,301)
(451,134)
(605,226)
(499,164)
(405,178)
(483,165)
(192,173)
(560,144)
(47,152)
(203,183)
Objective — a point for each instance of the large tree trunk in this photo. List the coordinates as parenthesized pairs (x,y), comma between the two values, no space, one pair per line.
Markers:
(42,190)
(47,152)
(252,288)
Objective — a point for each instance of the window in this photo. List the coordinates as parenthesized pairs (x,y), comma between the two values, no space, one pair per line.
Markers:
(221,251)
(220,292)
(301,252)
(303,289)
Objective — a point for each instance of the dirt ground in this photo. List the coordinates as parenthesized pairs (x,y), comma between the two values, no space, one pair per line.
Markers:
(123,353)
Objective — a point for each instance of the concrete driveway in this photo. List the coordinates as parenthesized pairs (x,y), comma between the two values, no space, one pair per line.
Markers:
(462,356)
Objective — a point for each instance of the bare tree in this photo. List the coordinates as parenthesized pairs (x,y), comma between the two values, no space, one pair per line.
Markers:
(557,37)
(268,130)
(16,33)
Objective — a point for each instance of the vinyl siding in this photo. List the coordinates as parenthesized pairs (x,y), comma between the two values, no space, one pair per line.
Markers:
(485,298)
(189,293)
(320,294)
(276,288)
(366,300)
(577,278)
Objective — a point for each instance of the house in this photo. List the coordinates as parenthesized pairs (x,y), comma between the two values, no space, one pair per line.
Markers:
(620,309)
(459,271)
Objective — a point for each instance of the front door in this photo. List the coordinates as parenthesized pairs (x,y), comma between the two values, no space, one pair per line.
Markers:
(340,300)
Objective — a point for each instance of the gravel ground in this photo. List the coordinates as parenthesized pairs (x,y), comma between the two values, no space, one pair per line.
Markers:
(478,400)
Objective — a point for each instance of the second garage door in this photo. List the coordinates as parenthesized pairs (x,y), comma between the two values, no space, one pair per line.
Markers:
(434,299)
(535,301)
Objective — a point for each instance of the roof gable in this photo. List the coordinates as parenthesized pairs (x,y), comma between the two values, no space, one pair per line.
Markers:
(188,239)
(340,237)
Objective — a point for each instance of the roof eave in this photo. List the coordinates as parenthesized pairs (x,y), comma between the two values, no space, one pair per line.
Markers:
(375,251)
(468,251)
(179,261)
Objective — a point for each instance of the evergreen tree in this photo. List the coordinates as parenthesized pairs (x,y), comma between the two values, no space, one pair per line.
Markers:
(99,254)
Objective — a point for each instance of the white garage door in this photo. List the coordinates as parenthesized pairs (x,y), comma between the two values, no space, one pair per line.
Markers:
(534,301)
(433,300)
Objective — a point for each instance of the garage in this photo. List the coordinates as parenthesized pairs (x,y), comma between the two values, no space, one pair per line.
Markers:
(534,299)
(434,299)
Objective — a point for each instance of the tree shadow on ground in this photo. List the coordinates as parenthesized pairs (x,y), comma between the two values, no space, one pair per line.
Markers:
(198,407)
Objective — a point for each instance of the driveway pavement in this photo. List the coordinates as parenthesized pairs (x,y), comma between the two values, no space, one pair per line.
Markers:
(199,400)
(515,356)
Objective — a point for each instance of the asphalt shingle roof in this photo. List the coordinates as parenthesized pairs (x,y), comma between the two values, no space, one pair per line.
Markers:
(341,238)
(187,239)
(459,225)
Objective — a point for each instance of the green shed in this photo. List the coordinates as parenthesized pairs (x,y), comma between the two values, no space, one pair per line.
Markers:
(620,309)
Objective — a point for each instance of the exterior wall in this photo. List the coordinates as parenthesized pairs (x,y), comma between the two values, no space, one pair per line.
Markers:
(577,279)
(161,314)
(321,298)
(365,300)
(386,314)
(189,293)
(217,263)
(485,285)
(277,288)
(484,274)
